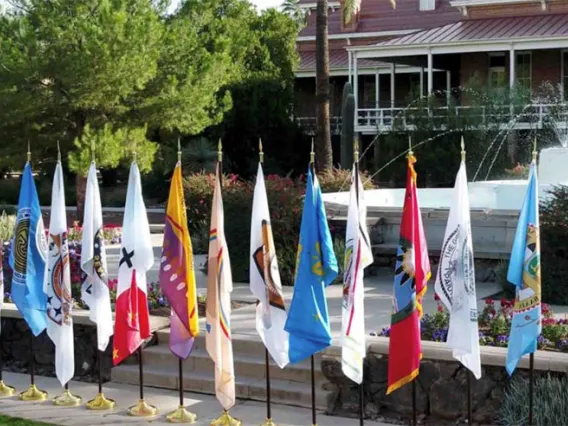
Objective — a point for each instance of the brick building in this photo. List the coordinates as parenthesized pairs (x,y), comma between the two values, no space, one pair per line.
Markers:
(431,47)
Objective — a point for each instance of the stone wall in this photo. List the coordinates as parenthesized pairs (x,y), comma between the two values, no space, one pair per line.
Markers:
(15,341)
(441,384)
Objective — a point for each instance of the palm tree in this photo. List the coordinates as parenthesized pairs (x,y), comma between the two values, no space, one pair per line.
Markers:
(293,10)
(324,156)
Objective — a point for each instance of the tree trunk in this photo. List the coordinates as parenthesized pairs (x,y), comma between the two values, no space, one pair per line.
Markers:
(324,155)
(81,189)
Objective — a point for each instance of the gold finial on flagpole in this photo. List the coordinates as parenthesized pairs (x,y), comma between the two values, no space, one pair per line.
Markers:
(356,149)
(220,151)
(410,153)
(260,151)
(534,153)
(29,152)
(312,153)
(462,150)
(179,150)
(58,152)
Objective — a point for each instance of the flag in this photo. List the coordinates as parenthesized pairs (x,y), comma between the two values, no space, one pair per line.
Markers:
(218,309)
(57,284)
(132,322)
(316,268)
(524,273)
(358,255)
(1,278)
(28,255)
(412,272)
(265,278)
(177,276)
(94,290)
(455,279)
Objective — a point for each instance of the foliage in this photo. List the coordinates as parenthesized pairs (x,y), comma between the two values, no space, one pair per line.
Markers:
(16,421)
(7,225)
(200,155)
(495,326)
(518,172)
(294,11)
(549,401)
(336,180)
(554,246)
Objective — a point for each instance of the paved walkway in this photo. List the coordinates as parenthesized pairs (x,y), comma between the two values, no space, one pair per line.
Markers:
(205,406)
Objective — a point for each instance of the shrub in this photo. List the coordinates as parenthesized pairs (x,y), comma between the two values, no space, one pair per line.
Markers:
(337,180)
(554,246)
(549,401)
(7,224)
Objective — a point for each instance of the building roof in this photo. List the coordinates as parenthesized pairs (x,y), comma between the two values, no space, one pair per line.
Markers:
(377,16)
(486,30)
(338,59)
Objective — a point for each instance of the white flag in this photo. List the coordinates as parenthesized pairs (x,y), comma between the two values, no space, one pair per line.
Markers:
(455,279)
(358,255)
(94,291)
(265,278)
(57,284)
(218,310)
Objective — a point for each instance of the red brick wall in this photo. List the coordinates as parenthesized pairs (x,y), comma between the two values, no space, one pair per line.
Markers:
(498,11)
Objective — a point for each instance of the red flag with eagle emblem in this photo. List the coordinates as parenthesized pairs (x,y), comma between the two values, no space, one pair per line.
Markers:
(411,276)
(132,323)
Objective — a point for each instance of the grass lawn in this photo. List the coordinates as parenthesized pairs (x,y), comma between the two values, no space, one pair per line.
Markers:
(15,421)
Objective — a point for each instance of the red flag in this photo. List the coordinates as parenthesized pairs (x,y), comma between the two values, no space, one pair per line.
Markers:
(410,283)
(132,325)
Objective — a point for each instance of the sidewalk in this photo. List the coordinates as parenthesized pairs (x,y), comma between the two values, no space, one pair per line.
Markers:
(205,406)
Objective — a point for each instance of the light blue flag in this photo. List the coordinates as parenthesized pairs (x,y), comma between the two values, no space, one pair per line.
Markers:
(524,273)
(28,255)
(316,268)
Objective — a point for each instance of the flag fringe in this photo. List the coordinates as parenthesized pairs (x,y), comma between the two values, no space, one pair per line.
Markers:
(420,295)
(405,380)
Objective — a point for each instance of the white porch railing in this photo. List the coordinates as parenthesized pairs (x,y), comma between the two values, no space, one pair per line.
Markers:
(533,116)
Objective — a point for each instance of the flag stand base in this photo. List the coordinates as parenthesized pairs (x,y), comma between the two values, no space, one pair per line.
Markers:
(33,394)
(268,422)
(100,403)
(6,390)
(181,415)
(225,419)
(67,399)
(142,409)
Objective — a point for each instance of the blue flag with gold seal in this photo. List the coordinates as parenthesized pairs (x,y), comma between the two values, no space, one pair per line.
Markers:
(316,268)
(28,255)
(524,273)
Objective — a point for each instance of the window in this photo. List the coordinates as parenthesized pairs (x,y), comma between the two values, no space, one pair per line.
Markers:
(523,70)
(497,77)
(565,74)
(427,4)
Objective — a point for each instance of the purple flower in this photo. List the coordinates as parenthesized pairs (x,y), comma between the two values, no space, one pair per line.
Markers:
(385,332)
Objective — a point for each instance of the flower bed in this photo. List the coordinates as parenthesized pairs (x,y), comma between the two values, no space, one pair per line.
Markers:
(495,326)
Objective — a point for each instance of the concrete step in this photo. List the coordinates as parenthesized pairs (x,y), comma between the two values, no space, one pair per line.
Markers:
(166,376)
(251,366)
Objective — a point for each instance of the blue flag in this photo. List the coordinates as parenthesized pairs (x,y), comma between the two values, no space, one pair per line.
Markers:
(524,273)
(316,268)
(28,255)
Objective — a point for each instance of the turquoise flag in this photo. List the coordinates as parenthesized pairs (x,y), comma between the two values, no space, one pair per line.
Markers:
(28,255)
(316,268)
(524,273)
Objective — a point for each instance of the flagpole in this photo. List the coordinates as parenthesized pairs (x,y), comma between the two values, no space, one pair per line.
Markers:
(268,421)
(5,390)
(32,393)
(312,360)
(181,415)
(225,419)
(410,154)
(531,356)
(356,167)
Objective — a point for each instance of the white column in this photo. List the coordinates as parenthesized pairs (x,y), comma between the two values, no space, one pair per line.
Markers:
(430,73)
(562,73)
(349,56)
(448,87)
(512,64)
(377,88)
(393,87)
(421,81)
(356,85)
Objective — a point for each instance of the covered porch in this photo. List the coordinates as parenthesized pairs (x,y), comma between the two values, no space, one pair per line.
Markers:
(502,53)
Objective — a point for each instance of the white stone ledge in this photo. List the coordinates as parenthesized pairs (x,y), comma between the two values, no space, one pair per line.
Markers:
(490,356)
(81,317)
